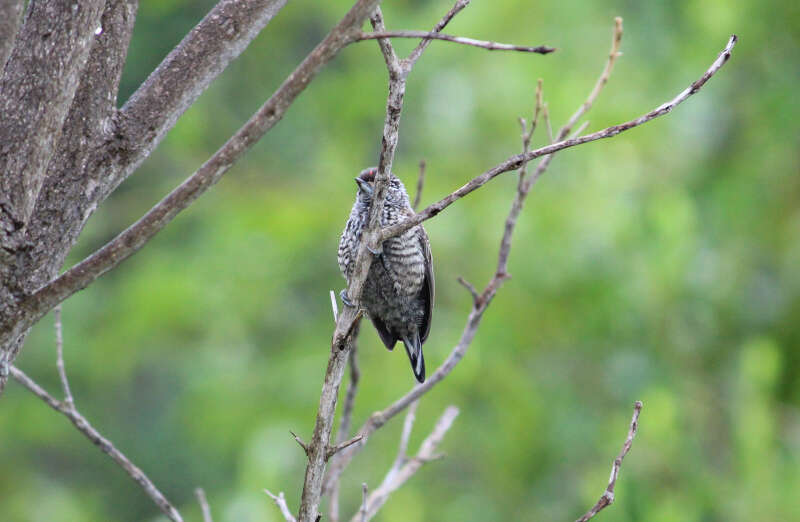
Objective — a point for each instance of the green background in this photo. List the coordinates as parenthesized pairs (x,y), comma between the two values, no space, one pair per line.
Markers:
(662,265)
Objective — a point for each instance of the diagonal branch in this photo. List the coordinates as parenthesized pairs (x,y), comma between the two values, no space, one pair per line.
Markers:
(515,162)
(441,24)
(62,371)
(205,509)
(607,498)
(105,445)
(345,424)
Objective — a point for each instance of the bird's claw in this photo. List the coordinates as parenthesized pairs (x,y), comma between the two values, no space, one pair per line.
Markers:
(376,252)
(346,300)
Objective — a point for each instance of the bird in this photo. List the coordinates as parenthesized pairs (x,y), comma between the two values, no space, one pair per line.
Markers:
(399,289)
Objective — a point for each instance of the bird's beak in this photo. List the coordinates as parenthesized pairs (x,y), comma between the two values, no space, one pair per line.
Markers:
(364,186)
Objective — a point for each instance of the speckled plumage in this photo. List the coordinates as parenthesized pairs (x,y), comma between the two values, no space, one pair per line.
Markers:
(398,292)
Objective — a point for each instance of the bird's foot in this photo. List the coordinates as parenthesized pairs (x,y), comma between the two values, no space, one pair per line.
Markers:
(346,300)
(376,252)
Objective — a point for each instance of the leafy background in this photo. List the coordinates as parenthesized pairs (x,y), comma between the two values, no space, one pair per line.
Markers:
(661,265)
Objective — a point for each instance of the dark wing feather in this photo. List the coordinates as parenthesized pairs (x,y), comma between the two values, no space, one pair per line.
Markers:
(388,338)
(427,291)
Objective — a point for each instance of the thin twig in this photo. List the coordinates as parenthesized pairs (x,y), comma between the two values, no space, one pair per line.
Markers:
(607,498)
(441,24)
(280,501)
(334,306)
(404,467)
(333,450)
(483,44)
(101,442)
(62,372)
(405,435)
(204,507)
(546,117)
(344,428)
(300,442)
(470,288)
(420,185)
(363,511)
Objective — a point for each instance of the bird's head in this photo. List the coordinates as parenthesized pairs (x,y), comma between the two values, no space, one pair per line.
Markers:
(395,193)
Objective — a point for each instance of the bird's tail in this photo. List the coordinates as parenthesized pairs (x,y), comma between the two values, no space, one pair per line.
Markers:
(414,351)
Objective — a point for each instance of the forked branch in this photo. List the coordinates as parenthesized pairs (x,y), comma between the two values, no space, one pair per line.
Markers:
(607,498)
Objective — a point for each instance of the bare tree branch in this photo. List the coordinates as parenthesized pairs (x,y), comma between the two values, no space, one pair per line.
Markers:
(345,423)
(204,507)
(613,54)
(470,288)
(515,162)
(334,307)
(280,501)
(441,24)
(300,442)
(607,498)
(105,445)
(362,513)
(333,450)
(34,306)
(483,44)
(403,467)
(62,372)
(405,435)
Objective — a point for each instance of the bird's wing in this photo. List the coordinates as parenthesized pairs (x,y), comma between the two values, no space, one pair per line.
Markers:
(428,285)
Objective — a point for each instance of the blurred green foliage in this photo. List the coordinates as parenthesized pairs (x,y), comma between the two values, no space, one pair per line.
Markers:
(661,265)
